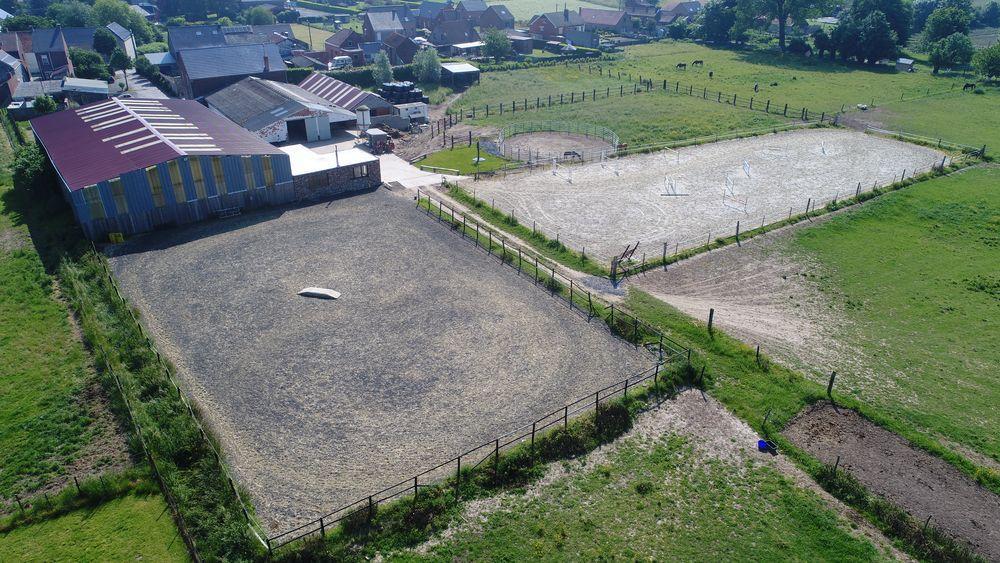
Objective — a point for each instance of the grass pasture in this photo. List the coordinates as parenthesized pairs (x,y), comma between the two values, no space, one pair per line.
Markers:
(817,85)
(315,36)
(128,528)
(524,9)
(971,119)
(916,273)
(658,499)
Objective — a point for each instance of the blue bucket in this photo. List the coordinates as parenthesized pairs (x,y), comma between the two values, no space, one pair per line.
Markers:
(763,446)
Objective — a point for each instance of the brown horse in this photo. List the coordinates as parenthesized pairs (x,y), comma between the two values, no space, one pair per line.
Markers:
(969,86)
(698,63)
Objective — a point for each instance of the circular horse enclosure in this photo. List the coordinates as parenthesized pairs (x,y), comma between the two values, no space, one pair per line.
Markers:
(540,141)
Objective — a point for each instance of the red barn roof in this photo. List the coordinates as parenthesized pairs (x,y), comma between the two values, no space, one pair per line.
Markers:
(106,139)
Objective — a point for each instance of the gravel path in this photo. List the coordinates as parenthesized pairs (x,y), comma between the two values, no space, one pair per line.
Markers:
(432,347)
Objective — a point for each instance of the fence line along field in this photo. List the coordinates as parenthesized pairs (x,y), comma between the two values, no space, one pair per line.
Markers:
(429,350)
(689,196)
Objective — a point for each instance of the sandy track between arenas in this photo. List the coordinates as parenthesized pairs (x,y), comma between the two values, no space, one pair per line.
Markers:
(432,348)
(606,207)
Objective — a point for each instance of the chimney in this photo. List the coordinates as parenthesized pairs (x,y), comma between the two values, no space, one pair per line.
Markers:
(267,63)
(565,13)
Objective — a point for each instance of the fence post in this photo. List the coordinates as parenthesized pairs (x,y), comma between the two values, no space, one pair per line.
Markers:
(496,460)
(322,527)
(711,318)
(571,293)
(738,233)
(829,386)
(458,478)
(785,112)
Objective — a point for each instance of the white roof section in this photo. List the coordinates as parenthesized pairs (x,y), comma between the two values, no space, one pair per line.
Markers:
(459,67)
(306,161)
(470,45)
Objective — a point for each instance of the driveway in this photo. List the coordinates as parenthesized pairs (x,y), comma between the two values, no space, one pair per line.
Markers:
(139,87)
(395,169)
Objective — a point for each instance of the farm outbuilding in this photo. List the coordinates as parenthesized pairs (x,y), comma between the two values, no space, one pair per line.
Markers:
(459,75)
(130,166)
(278,112)
(345,95)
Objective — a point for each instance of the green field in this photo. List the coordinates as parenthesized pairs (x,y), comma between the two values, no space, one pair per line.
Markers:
(524,9)
(971,119)
(817,85)
(131,528)
(463,159)
(318,35)
(659,500)
(918,275)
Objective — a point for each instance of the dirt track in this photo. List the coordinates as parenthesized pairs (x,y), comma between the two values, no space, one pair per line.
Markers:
(922,484)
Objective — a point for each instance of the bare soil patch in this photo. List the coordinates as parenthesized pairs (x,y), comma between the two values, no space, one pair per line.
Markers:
(912,479)
(546,145)
(762,294)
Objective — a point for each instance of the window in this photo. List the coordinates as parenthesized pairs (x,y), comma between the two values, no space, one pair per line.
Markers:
(219,175)
(268,171)
(118,193)
(198,176)
(248,173)
(155,186)
(360,171)
(92,196)
(176,181)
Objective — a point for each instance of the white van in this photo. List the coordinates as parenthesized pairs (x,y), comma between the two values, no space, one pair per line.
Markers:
(342,61)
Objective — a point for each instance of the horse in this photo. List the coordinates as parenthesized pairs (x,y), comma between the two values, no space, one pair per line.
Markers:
(682,66)
(698,63)
(969,86)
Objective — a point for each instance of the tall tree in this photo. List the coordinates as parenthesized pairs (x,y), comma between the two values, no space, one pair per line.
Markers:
(382,69)
(990,15)
(717,21)
(782,11)
(877,40)
(88,64)
(44,104)
(846,39)
(120,61)
(259,15)
(987,62)
(72,13)
(899,14)
(954,50)
(496,44)
(26,22)
(104,41)
(107,11)
(428,66)
(944,22)
(922,10)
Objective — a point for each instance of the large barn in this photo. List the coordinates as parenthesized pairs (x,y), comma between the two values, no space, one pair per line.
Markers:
(129,166)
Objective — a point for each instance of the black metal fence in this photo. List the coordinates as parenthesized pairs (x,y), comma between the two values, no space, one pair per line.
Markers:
(545,275)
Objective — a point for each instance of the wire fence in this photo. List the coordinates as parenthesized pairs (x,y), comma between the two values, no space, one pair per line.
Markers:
(573,127)
(636,84)
(255,528)
(669,251)
(529,161)
(545,275)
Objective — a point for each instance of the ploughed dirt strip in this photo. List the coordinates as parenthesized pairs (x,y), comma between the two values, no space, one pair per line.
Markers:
(914,480)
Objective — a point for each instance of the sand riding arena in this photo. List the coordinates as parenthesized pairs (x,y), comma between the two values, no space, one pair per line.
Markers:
(683,198)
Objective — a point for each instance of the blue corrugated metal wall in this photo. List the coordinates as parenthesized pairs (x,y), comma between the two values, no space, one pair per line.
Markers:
(143,215)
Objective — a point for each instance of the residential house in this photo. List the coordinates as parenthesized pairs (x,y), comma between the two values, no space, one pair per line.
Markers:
(206,70)
(471,10)
(11,75)
(147,11)
(553,24)
(43,52)
(400,49)
(677,10)
(379,25)
(454,32)
(497,16)
(279,113)
(124,38)
(346,43)
(281,35)
(642,11)
(428,12)
(616,21)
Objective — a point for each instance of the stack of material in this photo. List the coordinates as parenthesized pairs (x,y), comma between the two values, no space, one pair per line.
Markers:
(402,93)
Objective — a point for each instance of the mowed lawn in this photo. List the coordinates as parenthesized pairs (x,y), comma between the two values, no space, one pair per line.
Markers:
(918,274)
(131,528)
(463,159)
(799,81)
(524,9)
(659,501)
(318,35)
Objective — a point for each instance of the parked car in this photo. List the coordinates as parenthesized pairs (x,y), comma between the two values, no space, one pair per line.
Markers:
(340,62)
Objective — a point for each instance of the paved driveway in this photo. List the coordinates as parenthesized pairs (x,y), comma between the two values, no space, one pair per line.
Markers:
(395,169)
